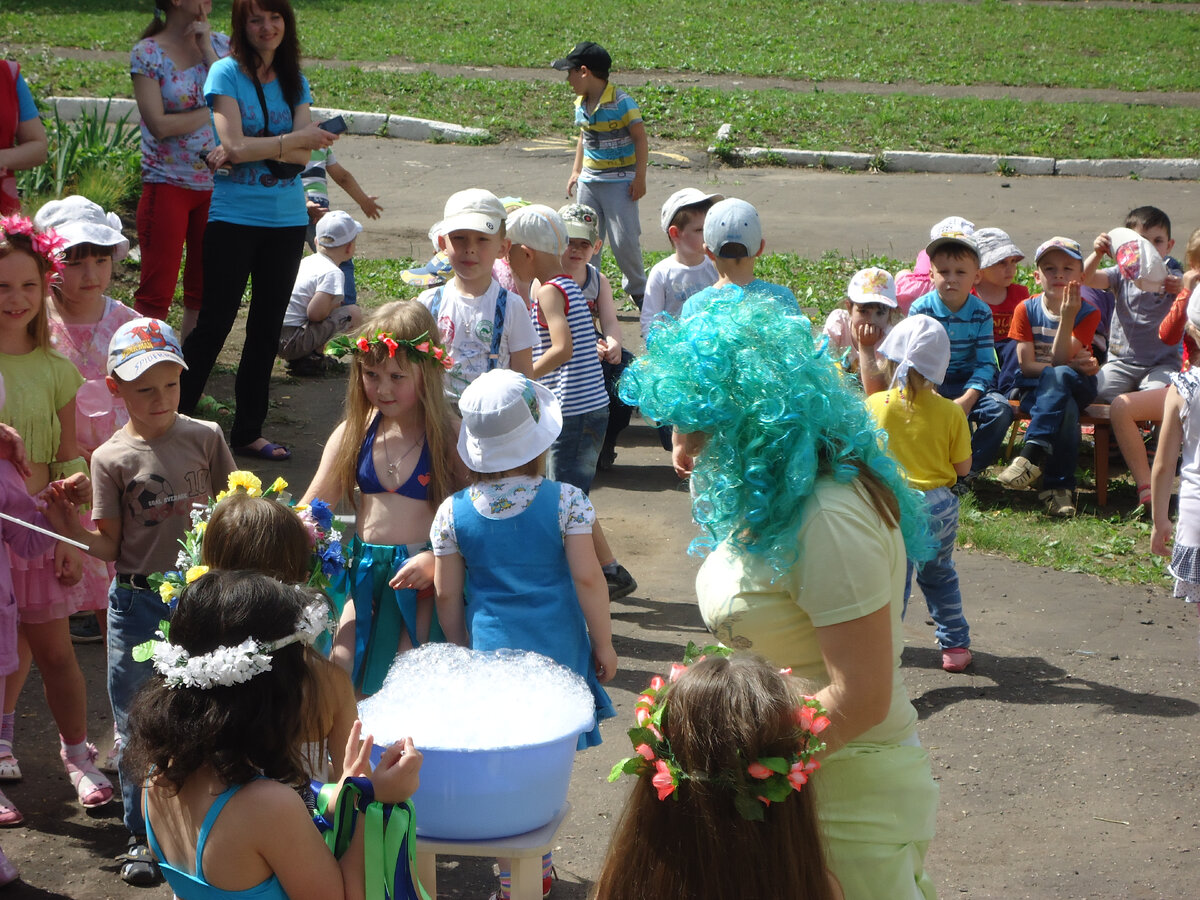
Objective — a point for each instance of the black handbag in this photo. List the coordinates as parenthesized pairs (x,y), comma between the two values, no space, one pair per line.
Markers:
(284,171)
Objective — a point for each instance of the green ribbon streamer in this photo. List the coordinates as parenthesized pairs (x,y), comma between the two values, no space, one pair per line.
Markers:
(385,839)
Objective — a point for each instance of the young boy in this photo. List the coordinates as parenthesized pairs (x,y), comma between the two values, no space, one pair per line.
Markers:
(610,158)
(998,258)
(482,324)
(1137,359)
(566,362)
(971,377)
(145,480)
(318,309)
(1053,333)
(687,270)
(733,240)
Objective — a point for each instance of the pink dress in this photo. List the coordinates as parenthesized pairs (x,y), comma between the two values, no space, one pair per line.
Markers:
(18,541)
(98,414)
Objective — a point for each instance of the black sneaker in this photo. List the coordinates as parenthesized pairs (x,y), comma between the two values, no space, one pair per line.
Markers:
(85,630)
(608,459)
(620,583)
(311,366)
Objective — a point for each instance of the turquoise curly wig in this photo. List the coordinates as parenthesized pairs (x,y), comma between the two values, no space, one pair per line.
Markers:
(778,415)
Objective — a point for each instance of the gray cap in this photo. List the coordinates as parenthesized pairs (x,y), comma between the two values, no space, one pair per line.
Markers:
(995,246)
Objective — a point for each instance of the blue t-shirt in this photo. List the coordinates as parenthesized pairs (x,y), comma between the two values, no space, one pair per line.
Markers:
(757,287)
(26,108)
(249,194)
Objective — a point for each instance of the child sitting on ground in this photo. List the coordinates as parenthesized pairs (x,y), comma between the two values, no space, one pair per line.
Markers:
(688,269)
(733,240)
(856,327)
(970,379)
(711,814)
(928,435)
(319,308)
(997,287)
(1053,331)
(479,326)
(916,282)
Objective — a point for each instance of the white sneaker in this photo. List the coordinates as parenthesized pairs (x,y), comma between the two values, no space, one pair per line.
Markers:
(1059,501)
(1020,474)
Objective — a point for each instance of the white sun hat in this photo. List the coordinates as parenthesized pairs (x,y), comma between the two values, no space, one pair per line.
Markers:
(80,221)
(507,420)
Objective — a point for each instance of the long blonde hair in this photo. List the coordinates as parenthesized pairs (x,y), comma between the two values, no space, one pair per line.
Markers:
(405,320)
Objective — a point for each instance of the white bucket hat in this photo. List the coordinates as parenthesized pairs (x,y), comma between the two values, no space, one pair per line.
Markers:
(1137,259)
(80,221)
(507,420)
(995,246)
(921,343)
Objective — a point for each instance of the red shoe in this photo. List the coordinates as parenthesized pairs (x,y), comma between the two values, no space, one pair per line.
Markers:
(956,659)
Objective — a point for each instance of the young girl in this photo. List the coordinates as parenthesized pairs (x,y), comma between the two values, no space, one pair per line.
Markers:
(396,446)
(1180,431)
(864,318)
(43,413)
(695,825)
(928,435)
(217,732)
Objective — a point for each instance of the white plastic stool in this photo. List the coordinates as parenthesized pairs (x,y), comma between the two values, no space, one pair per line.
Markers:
(525,851)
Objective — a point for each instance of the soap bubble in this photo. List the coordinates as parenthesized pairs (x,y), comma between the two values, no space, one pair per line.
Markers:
(448,697)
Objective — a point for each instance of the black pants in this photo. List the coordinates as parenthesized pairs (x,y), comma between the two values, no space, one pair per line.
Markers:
(233,254)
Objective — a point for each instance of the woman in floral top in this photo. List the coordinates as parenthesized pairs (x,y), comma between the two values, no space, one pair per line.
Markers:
(169,65)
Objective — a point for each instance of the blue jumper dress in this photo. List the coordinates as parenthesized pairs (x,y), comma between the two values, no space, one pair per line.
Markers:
(519,592)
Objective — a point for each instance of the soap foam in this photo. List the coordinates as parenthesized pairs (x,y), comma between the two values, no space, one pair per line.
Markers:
(448,697)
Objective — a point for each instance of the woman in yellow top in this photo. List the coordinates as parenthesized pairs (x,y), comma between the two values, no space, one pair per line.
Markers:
(809,525)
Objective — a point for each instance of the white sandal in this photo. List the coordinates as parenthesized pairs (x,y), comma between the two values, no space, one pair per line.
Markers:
(10,769)
(9,814)
(92,788)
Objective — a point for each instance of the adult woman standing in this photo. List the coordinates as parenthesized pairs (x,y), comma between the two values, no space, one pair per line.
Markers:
(23,142)
(168,66)
(256,221)
(811,522)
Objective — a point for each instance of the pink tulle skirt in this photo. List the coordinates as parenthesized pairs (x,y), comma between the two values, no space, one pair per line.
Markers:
(42,598)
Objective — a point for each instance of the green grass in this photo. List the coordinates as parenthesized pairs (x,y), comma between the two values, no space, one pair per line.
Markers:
(1140,48)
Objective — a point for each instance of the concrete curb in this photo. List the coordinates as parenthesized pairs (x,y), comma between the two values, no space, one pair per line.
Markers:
(404,127)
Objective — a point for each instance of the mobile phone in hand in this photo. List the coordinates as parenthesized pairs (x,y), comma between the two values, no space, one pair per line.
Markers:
(336,125)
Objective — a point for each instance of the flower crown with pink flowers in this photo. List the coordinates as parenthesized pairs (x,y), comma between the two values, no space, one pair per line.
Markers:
(766,780)
(422,347)
(47,244)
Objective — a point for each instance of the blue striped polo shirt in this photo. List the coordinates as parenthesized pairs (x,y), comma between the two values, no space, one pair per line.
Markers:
(972,349)
(608,150)
(579,382)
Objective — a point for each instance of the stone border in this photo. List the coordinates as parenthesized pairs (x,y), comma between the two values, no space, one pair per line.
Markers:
(404,127)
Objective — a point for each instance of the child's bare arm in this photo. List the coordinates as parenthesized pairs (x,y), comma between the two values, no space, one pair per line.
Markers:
(522,361)
(968,399)
(868,337)
(553,310)
(592,590)
(1091,277)
(641,152)
(326,484)
(348,183)
(610,326)
(576,168)
(1162,475)
(321,305)
(449,573)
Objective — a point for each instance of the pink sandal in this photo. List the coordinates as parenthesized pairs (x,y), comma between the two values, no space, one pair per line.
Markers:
(91,786)
(9,814)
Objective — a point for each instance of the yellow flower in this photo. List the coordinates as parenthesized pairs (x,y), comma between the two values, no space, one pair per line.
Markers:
(200,528)
(247,481)
(278,486)
(166,590)
(193,573)
(221,496)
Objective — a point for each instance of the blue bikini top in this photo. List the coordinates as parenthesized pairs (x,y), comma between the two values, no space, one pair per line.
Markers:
(417,486)
(194,887)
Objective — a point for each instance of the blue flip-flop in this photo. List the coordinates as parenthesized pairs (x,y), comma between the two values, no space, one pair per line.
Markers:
(266,451)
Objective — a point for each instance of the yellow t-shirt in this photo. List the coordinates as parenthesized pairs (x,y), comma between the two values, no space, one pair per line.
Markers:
(927,437)
(851,564)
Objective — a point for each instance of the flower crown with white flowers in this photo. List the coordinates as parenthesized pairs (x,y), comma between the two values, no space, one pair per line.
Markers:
(226,666)
(47,244)
(766,780)
(327,558)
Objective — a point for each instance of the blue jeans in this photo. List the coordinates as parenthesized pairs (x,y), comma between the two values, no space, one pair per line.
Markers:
(990,418)
(572,457)
(133,617)
(938,578)
(1054,407)
(620,226)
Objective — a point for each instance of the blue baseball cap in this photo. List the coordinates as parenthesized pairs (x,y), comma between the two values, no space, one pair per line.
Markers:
(732,221)
(140,344)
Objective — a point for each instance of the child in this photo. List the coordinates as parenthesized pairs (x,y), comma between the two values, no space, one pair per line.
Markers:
(396,446)
(518,546)
(688,269)
(862,321)
(315,179)
(145,480)
(41,407)
(478,326)
(227,738)
(998,258)
(610,158)
(971,375)
(733,240)
(320,307)
(1180,431)
(1053,332)
(1137,359)
(25,543)
(915,282)
(929,437)
(720,716)
(583,242)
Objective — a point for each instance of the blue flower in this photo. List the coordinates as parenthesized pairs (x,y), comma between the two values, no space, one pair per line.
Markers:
(332,560)
(321,514)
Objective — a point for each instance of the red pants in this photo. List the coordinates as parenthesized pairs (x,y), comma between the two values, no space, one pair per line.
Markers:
(167,216)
